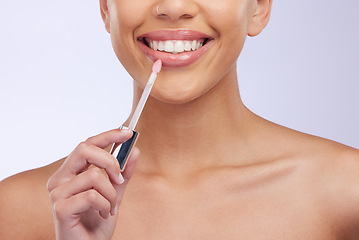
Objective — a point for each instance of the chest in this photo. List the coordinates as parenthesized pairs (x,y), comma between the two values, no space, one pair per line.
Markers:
(221,213)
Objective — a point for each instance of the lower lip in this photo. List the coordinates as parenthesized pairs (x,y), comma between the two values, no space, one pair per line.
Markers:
(175,60)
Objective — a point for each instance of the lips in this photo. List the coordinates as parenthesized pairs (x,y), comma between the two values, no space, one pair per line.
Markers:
(176,48)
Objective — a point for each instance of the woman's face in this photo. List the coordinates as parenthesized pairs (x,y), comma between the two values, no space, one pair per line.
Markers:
(197,40)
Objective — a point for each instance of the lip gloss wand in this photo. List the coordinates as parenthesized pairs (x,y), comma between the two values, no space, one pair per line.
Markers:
(122,151)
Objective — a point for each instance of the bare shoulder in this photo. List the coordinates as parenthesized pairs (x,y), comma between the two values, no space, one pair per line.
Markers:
(25,206)
(334,162)
(331,172)
(339,168)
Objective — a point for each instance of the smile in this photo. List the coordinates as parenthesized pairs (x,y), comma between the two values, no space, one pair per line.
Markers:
(176,48)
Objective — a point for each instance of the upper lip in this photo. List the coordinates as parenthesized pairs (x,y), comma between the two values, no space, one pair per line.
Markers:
(178,34)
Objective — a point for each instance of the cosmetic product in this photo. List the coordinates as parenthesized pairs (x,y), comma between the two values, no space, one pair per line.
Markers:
(122,151)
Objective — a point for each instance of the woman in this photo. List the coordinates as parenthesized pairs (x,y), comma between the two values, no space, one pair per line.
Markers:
(209,168)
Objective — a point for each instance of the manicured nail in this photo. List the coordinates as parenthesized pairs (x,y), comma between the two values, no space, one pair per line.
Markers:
(121,178)
(114,211)
(126,130)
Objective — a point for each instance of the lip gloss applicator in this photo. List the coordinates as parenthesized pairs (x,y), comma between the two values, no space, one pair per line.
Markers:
(122,151)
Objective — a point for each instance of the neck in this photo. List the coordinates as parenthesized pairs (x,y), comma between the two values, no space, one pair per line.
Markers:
(186,137)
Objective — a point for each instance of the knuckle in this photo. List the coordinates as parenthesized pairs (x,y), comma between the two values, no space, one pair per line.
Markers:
(53,196)
(82,149)
(92,196)
(96,174)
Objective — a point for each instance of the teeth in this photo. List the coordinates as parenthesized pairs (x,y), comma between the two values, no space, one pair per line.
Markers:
(187,46)
(175,46)
(194,45)
(154,45)
(179,46)
(161,46)
(169,46)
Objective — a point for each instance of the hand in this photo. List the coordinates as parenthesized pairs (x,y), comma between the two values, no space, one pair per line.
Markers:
(87,189)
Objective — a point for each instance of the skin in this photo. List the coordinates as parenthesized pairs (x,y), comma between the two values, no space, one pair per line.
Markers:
(209,168)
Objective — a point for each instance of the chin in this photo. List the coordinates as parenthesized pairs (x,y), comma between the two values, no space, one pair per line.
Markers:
(176,95)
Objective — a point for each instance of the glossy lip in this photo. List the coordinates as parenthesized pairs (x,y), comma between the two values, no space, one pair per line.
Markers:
(174,60)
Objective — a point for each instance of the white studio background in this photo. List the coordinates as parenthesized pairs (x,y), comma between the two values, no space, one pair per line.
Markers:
(60,81)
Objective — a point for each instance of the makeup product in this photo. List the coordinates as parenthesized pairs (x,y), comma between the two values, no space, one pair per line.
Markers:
(122,151)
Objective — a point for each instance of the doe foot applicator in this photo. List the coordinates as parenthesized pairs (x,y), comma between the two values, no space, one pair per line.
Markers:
(122,151)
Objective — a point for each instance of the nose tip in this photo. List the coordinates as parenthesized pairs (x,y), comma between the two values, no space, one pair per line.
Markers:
(176,10)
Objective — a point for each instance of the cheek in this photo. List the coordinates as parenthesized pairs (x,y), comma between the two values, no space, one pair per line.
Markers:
(127,14)
(125,17)
(121,23)
(229,17)
(231,20)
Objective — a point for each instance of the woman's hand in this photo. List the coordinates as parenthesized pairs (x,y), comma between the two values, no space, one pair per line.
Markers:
(87,189)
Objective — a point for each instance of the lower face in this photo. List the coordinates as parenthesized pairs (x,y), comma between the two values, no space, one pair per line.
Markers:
(198,41)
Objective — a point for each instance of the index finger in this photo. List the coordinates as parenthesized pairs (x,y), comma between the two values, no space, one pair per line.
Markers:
(105,139)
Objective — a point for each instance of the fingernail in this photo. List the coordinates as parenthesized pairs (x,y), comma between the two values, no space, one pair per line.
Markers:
(121,178)
(126,130)
(114,211)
